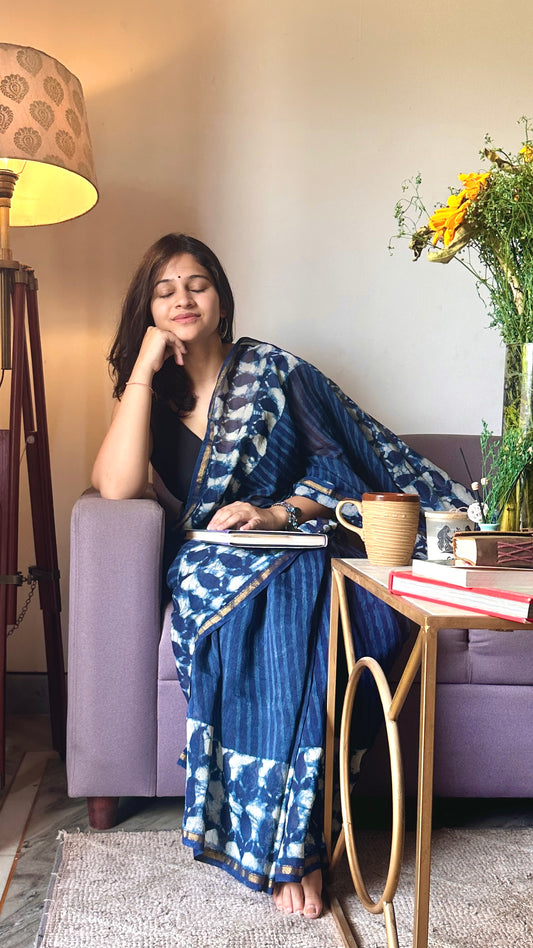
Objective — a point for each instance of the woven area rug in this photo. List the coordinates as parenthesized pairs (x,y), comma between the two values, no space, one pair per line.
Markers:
(144,890)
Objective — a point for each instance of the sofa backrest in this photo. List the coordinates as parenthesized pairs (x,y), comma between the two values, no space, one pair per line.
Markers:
(445,451)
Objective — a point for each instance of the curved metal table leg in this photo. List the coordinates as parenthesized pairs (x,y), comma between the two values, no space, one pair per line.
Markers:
(384,905)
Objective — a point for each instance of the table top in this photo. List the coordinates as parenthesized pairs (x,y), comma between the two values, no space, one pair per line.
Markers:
(375,580)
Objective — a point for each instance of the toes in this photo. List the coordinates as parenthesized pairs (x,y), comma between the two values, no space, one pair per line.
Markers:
(294,899)
(312,890)
(312,911)
(288,898)
(279,896)
(297,899)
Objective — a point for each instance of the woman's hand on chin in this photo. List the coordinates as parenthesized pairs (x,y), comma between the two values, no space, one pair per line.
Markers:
(158,345)
(243,516)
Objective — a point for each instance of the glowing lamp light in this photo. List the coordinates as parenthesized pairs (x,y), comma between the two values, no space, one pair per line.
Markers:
(44,138)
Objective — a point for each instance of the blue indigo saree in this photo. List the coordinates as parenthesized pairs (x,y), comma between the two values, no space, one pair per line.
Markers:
(250,627)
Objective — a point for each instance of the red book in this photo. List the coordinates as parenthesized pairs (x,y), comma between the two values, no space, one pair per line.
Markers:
(502,603)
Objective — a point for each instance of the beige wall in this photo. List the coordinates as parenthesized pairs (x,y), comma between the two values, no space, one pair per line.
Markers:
(279,131)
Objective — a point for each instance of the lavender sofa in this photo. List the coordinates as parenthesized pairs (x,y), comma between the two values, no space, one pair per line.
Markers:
(126,712)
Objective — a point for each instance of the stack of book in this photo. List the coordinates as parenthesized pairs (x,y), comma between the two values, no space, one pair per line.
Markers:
(491,573)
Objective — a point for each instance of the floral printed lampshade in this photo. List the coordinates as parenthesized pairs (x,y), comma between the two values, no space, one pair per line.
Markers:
(44,138)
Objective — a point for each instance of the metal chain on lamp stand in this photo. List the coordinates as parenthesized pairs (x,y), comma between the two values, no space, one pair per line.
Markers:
(11,629)
(31,580)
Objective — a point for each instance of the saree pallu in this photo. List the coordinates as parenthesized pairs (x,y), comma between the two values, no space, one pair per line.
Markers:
(250,627)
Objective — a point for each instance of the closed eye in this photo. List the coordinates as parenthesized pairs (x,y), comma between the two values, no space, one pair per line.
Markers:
(166,288)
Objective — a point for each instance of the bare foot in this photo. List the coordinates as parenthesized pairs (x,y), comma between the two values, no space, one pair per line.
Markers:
(305,899)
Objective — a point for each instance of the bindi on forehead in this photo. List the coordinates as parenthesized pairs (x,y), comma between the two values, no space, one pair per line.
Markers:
(188,276)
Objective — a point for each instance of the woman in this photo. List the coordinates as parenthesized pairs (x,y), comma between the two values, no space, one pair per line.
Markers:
(249,437)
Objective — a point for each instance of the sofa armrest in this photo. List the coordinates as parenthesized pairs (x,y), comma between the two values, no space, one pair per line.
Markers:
(114,630)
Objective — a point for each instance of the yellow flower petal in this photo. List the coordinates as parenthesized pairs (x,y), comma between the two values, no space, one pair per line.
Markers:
(474,183)
(455,200)
(446,220)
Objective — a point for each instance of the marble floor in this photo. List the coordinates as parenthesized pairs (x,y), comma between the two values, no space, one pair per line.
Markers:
(34,806)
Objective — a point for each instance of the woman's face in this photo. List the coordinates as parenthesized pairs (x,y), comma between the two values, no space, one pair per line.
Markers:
(185,301)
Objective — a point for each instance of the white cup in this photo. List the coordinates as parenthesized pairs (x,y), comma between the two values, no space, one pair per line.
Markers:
(440,528)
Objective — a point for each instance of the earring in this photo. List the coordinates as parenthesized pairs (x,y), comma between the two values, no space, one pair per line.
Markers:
(223,327)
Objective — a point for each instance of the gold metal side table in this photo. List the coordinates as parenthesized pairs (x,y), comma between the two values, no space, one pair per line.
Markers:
(429,617)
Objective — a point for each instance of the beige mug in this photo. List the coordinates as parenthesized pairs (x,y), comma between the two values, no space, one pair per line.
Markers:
(390,526)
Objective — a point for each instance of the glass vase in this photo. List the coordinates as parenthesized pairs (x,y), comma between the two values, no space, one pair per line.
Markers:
(517,513)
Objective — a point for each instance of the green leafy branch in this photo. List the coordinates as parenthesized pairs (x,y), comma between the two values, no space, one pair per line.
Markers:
(503,461)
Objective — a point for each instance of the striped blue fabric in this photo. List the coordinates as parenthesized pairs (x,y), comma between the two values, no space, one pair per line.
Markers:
(250,627)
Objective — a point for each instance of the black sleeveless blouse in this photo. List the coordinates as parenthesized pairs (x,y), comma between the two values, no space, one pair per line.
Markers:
(175,450)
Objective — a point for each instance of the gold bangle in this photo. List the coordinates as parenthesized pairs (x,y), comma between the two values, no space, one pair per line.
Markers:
(145,384)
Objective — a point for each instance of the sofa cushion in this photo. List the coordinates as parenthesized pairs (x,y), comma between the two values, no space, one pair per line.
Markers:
(171,739)
(479,657)
(481,744)
(501,658)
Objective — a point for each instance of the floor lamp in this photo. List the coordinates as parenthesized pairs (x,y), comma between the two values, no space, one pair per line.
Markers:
(46,176)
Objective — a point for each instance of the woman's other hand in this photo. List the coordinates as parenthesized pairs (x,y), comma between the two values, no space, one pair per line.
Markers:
(243,516)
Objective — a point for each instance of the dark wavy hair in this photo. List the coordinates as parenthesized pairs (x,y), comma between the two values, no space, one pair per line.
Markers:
(171,384)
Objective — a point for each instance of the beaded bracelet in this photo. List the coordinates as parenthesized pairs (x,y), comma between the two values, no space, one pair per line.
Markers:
(293,512)
(145,384)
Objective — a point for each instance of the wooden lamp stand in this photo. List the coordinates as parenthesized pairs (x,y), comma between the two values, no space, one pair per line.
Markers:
(20,326)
